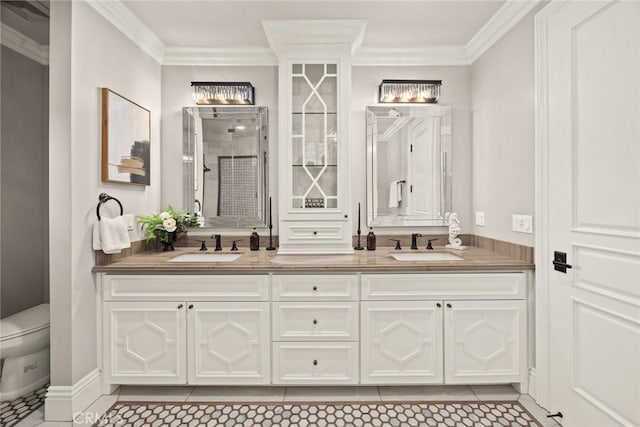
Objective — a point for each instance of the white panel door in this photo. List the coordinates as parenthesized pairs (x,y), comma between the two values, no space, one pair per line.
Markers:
(589,86)
(401,342)
(229,343)
(485,342)
(145,343)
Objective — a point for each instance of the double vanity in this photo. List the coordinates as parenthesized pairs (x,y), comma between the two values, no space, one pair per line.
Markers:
(252,318)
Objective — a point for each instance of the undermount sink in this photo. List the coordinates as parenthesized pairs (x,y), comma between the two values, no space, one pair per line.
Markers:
(426,256)
(205,257)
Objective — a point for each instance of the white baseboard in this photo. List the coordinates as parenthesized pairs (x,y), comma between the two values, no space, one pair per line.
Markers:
(533,390)
(62,402)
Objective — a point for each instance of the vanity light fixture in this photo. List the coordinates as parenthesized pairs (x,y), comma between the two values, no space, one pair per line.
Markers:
(223,93)
(409,91)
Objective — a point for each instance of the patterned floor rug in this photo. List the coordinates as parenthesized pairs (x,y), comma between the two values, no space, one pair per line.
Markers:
(12,411)
(448,414)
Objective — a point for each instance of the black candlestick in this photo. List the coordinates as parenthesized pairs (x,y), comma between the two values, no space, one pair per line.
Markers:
(359,247)
(270,247)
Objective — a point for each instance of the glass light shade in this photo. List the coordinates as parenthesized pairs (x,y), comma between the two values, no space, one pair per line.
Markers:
(409,91)
(223,93)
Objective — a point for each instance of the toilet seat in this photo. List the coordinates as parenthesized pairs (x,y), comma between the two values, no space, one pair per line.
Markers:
(23,323)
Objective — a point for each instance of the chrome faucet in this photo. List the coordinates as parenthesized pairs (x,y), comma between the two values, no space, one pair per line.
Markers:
(414,240)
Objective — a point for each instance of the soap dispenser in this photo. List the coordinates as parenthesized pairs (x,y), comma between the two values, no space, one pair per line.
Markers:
(254,241)
(371,240)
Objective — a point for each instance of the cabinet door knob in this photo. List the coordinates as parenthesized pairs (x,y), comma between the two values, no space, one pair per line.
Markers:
(315,321)
(190,306)
(180,306)
(315,288)
(315,363)
(438,305)
(448,305)
(346,216)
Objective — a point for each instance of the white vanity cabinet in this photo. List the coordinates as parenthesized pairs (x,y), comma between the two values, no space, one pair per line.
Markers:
(185,329)
(314,329)
(459,328)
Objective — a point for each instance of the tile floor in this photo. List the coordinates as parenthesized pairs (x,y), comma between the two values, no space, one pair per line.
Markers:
(297,394)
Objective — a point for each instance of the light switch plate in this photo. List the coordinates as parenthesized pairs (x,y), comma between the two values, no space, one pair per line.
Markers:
(480,218)
(523,224)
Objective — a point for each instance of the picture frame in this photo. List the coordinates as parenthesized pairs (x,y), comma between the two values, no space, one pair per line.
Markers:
(126,140)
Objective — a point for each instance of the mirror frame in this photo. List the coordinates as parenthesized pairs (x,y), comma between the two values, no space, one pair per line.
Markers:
(443,112)
(189,154)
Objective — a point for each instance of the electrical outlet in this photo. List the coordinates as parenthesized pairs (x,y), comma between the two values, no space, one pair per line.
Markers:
(480,218)
(522,224)
(130,220)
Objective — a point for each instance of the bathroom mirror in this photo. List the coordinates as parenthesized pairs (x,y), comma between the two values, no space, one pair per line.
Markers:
(408,165)
(225,152)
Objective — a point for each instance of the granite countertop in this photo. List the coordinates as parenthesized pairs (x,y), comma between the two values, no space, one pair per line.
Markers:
(262,261)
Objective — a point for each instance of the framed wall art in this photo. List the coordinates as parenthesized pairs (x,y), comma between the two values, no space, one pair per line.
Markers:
(126,140)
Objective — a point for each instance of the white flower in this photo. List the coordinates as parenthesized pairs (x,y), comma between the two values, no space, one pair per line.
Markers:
(169,224)
(165,215)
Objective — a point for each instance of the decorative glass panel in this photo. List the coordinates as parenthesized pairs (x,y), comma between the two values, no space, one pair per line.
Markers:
(314,136)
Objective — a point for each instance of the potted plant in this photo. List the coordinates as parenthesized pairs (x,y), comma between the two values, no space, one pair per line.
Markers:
(167,224)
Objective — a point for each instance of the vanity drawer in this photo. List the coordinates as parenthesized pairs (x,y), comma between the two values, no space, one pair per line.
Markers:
(443,286)
(315,363)
(327,321)
(315,287)
(185,287)
(328,231)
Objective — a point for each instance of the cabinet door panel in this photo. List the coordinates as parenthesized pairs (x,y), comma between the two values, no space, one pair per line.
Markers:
(401,342)
(485,342)
(229,343)
(144,343)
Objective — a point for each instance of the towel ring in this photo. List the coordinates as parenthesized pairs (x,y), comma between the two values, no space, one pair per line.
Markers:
(104,198)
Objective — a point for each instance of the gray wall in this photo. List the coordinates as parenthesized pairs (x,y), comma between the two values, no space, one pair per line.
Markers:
(502,106)
(24,177)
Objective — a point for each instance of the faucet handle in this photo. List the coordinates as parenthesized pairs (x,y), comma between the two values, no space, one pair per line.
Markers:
(234,247)
(397,248)
(203,245)
(429,246)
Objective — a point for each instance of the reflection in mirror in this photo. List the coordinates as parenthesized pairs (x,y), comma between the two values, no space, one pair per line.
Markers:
(408,165)
(225,152)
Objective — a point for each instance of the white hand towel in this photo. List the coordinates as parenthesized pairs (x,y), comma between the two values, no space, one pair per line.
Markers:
(114,235)
(395,194)
(97,242)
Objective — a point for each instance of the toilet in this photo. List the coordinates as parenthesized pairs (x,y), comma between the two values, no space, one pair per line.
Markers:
(24,352)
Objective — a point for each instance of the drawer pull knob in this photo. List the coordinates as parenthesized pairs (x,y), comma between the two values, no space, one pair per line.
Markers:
(315,233)
(315,321)
(438,305)
(315,363)
(190,306)
(315,288)
(180,306)
(448,305)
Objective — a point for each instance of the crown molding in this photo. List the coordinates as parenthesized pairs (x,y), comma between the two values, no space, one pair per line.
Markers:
(121,17)
(343,35)
(511,12)
(24,45)
(204,56)
(435,55)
